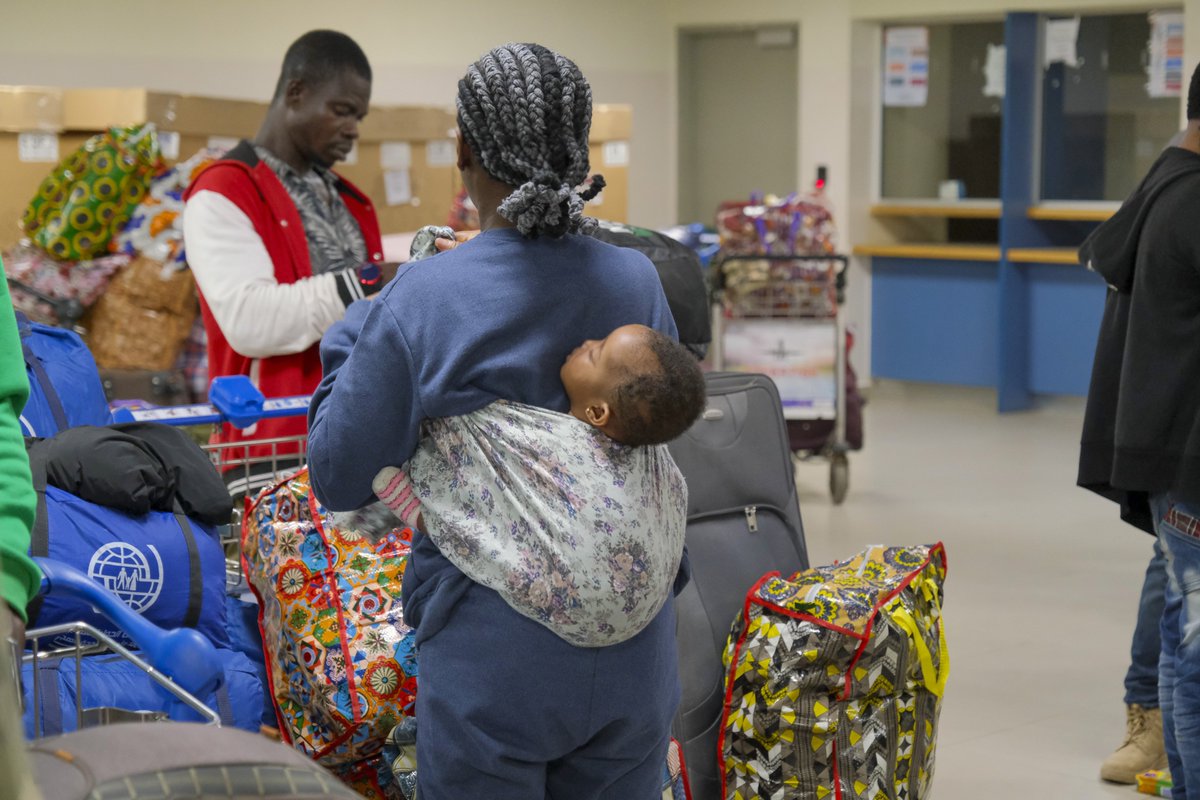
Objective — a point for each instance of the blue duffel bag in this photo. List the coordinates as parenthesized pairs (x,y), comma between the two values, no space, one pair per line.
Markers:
(56,357)
(167,567)
(246,637)
(110,681)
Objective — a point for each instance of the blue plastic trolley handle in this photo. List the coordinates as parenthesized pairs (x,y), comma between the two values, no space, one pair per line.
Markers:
(233,399)
(183,654)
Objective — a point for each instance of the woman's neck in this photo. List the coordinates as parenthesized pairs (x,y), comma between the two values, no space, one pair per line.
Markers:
(488,194)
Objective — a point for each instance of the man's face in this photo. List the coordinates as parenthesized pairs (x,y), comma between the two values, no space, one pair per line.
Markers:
(323,118)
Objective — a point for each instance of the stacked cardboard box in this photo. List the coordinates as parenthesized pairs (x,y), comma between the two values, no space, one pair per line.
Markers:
(405,158)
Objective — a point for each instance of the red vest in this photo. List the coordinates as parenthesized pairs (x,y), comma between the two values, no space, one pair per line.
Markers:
(253,187)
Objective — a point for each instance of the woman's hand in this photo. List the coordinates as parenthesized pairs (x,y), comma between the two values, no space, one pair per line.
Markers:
(459,237)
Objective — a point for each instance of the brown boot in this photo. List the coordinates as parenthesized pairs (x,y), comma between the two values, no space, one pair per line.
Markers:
(1142,750)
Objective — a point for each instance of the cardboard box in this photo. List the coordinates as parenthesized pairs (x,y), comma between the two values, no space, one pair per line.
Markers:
(64,119)
(30,123)
(188,115)
(405,162)
(612,128)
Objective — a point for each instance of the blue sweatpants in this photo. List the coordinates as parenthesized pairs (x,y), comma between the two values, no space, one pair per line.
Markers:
(509,711)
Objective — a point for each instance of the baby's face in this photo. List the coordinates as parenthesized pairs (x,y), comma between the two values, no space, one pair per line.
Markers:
(592,371)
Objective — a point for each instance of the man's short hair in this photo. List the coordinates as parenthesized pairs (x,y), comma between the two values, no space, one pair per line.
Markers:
(320,56)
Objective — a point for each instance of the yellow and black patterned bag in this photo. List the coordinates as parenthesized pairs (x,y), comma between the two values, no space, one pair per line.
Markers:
(91,194)
(835,678)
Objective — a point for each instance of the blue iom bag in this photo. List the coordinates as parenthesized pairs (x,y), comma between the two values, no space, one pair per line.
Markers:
(165,566)
(65,389)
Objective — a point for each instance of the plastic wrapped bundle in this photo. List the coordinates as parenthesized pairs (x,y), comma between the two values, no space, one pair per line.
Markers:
(835,678)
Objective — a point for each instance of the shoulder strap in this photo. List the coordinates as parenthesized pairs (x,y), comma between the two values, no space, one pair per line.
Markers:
(47,703)
(225,704)
(39,373)
(195,575)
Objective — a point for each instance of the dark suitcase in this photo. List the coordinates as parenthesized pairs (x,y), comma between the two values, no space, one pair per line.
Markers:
(161,388)
(743,521)
(176,760)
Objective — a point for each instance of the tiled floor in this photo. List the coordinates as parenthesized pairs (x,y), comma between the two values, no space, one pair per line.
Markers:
(1042,589)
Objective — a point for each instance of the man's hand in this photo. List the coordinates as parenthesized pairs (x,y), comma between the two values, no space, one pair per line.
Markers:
(460,237)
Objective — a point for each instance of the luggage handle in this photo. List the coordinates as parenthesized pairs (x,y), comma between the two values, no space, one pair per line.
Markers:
(933,678)
(183,653)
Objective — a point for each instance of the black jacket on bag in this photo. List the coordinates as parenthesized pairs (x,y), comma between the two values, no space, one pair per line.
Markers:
(1141,429)
(135,467)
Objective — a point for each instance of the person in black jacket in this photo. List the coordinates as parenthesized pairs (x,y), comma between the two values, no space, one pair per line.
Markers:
(1141,434)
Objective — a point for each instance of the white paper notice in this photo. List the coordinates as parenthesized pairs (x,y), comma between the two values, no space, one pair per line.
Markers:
(906,66)
(441,153)
(397,187)
(168,145)
(616,154)
(993,71)
(37,148)
(395,155)
(1165,71)
(1061,36)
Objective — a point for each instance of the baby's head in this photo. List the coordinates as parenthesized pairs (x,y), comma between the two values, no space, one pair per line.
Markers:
(636,385)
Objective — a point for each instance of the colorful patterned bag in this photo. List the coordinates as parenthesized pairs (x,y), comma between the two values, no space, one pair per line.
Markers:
(341,661)
(835,681)
(56,292)
(90,195)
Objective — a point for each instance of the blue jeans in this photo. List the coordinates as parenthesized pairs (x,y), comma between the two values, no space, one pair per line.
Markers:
(1178,529)
(1141,681)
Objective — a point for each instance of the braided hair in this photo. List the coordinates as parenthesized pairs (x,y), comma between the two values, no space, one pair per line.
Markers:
(525,111)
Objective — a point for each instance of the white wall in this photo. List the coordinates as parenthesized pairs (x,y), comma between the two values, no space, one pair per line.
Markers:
(418,51)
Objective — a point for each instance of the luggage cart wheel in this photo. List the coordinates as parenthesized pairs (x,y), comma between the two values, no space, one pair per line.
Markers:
(839,477)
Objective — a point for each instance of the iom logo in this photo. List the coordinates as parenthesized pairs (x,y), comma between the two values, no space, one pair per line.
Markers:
(126,572)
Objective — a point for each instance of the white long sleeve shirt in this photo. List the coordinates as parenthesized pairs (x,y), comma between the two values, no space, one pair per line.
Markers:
(259,316)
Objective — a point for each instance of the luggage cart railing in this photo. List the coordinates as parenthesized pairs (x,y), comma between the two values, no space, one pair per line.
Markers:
(181,661)
(89,641)
(804,289)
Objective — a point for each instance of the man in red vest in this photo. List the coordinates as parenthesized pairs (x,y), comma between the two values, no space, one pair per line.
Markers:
(279,244)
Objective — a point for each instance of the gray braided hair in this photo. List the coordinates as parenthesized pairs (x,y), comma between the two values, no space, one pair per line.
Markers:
(525,111)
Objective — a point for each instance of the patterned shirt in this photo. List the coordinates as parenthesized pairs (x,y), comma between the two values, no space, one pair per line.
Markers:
(335,241)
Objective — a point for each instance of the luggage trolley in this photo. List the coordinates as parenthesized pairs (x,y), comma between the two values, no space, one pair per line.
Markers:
(780,315)
(248,465)
(181,661)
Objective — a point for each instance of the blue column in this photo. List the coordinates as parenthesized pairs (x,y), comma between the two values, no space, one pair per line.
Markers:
(1018,157)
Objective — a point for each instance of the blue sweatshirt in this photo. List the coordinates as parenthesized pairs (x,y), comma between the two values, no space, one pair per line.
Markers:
(492,319)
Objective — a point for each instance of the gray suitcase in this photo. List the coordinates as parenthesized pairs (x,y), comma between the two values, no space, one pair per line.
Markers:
(176,760)
(743,522)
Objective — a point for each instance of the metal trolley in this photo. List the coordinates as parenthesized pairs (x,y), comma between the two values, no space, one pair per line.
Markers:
(247,466)
(781,315)
(180,661)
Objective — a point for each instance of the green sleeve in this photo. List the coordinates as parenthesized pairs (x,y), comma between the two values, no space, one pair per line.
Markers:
(19,576)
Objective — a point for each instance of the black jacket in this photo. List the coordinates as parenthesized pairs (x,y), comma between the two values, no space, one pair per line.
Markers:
(1141,430)
(135,467)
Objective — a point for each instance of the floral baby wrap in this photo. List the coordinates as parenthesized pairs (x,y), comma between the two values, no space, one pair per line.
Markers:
(571,528)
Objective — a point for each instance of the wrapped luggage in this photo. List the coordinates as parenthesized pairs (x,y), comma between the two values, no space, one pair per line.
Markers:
(90,195)
(835,677)
(342,663)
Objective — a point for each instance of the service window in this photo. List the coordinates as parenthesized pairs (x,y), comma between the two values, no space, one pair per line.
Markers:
(942,93)
(1111,88)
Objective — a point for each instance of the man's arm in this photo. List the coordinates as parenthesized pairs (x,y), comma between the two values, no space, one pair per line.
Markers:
(259,316)
(366,414)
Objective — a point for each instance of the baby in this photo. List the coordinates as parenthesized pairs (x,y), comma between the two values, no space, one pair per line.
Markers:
(576,519)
